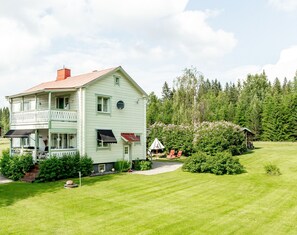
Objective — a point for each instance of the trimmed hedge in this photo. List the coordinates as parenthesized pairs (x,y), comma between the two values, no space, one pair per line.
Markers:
(64,167)
(219,164)
(15,167)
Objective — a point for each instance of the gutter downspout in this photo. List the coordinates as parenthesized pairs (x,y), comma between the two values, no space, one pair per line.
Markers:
(80,124)
(144,131)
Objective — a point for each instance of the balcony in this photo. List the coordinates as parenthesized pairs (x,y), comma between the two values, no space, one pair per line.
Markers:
(43,116)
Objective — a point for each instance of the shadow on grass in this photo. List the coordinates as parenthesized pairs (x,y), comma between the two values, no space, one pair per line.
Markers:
(11,193)
(247,153)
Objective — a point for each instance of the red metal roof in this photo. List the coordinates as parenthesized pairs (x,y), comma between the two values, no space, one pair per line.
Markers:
(130,137)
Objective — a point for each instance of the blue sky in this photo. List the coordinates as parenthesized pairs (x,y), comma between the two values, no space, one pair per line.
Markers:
(259,27)
(153,40)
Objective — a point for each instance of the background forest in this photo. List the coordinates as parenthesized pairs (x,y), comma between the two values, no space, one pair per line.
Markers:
(268,109)
(4,120)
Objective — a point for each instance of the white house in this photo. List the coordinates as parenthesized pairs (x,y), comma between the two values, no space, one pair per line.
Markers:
(101,114)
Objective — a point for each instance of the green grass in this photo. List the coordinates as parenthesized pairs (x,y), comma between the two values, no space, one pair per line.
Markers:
(171,203)
(4,144)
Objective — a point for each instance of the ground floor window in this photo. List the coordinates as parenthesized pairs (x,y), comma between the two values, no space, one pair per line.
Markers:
(101,168)
(63,141)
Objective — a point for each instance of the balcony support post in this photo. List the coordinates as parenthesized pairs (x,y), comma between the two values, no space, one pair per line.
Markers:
(49,123)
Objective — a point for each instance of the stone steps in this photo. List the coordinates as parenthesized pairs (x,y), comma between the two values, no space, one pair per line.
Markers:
(31,175)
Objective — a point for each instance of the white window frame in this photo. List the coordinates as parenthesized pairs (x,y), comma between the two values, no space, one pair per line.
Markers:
(102,98)
(102,144)
(29,105)
(16,107)
(101,167)
(63,141)
(116,80)
(65,104)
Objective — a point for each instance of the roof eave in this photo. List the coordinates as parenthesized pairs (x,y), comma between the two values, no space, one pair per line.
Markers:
(40,91)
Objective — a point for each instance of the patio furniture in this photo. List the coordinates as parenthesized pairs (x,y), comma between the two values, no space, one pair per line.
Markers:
(171,154)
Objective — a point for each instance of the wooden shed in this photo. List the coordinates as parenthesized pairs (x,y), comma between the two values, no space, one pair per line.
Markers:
(249,136)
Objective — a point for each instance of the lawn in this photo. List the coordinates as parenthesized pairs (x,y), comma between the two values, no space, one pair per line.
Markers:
(171,203)
(4,144)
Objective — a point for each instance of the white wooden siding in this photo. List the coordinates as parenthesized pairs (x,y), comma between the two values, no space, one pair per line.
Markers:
(131,119)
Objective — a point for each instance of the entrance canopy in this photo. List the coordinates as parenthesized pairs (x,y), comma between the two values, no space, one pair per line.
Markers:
(130,137)
(106,136)
(18,133)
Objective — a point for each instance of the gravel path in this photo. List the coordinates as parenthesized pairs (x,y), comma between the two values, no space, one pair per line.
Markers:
(160,167)
(4,180)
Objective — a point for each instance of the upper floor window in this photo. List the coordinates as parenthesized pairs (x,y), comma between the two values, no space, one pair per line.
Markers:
(62,102)
(29,105)
(16,107)
(117,80)
(103,104)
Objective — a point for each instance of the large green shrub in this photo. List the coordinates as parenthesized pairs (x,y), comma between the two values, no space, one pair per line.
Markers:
(197,163)
(219,164)
(122,166)
(142,165)
(67,166)
(15,167)
(215,137)
(177,137)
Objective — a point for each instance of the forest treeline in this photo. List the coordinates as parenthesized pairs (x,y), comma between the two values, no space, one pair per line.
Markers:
(268,109)
(4,119)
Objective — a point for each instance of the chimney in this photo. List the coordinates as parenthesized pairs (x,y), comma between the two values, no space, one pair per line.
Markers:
(62,74)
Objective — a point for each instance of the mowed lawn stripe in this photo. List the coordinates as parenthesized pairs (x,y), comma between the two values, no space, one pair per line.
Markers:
(170,203)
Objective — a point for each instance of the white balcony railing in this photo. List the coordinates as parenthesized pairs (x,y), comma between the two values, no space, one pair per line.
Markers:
(43,116)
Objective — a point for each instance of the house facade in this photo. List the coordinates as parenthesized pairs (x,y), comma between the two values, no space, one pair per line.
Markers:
(101,114)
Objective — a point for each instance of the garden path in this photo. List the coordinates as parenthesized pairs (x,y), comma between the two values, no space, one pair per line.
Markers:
(4,180)
(160,167)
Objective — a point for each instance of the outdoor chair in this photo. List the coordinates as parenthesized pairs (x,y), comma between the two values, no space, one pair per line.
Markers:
(179,154)
(171,154)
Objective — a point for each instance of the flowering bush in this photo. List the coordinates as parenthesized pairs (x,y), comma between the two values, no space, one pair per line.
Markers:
(209,137)
(215,137)
(177,137)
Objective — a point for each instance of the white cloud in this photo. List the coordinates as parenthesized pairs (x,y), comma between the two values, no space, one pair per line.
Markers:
(284,5)
(189,33)
(153,39)
(286,66)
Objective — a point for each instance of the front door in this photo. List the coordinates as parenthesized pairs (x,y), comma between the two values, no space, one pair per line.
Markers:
(126,152)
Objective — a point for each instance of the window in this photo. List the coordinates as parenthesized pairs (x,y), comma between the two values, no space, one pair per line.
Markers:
(63,141)
(100,142)
(101,168)
(103,104)
(29,105)
(16,107)
(25,142)
(116,80)
(62,102)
